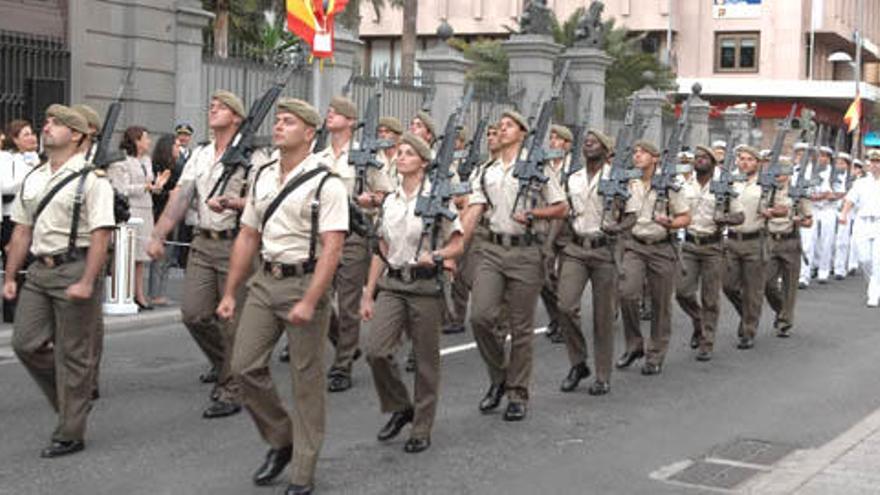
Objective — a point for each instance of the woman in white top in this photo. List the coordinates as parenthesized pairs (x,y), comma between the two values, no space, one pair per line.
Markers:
(133,177)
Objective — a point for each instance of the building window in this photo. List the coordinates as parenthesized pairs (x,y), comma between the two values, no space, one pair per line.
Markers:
(736,52)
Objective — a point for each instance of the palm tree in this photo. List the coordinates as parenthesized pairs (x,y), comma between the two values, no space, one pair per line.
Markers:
(408,43)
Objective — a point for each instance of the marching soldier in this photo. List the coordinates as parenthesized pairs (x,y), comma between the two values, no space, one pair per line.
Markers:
(390,129)
(453,317)
(719,148)
(409,301)
(784,265)
(649,255)
(806,233)
(858,171)
(423,126)
(295,218)
(588,257)
(842,165)
(59,308)
(863,202)
(560,139)
(208,264)
(352,273)
(702,257)
(510,269)
(825,214)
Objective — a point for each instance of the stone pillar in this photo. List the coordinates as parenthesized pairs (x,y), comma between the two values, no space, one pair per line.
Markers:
(189,101)
(587,73)
(698,123)
(532,58)
(650,113)
(739,123)
(446,68)
(347,57)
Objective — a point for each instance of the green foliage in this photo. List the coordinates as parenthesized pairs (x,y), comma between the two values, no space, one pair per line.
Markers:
(351,16)
(564,33)
(491,64)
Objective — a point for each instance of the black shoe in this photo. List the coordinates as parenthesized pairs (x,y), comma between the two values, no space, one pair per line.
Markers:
(284,356)
(338,381)
(357,354)
(839,277)
(298,490)
(629,357)
(410,364)
(599,388)
(209,376)
(575,375)
(453,328)
(96,394)
(802,285)
(651,369)
(704,355)
(143,306)
(416,445)
(60,448)
(492,399)
(215,393)
(695,340)
(516,411)
(398,420)
(783,332)
(221,409)
(745,343)
(556,337)
(276,460)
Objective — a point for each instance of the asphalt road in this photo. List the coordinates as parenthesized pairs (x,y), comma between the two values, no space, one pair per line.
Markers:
(146,435)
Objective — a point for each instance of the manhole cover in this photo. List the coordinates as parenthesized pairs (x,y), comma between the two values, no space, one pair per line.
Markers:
(714,475)
(752,452)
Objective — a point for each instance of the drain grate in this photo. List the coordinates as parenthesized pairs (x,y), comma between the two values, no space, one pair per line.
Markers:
(752,452)
(713,475)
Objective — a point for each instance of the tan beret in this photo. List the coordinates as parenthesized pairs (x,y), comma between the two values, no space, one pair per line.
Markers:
(426,119)
(751,150)
(873,155)
(707,150)
(90,114)
(562,132)
(68,117)
(418,144)
(647,146)
(230,100)
(344,106)
(518,118)
(392,124)
(603,138)
(305,111)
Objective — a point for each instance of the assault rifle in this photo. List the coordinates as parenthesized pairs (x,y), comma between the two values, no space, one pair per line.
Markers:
(364,156)
(801,187)
(577,146)
(615,189)
(838,148)
(472,160)
(101,155)
(665,181)
(722,188)
(767,178)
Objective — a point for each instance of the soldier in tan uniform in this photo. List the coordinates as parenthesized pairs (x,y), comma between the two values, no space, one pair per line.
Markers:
(59,308)
(702,257)
(650,255)
(511,269)
(390,129)
(423,126)
(587,257)
(560,140)
(352,273)
(784,266)
(208,263)
(409,301)
(289,293)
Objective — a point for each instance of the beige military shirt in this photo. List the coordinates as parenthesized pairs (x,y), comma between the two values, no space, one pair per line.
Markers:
(588,205)
(646,228)
(555,168)
(401,229)
(702,205)
(377,179)
(785,225)
(500,186)
(389,168)
(52,230)
(288,233)
(749,195)
(203,170)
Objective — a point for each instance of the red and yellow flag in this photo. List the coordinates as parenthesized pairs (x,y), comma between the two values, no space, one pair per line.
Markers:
(854,114)
(312,20)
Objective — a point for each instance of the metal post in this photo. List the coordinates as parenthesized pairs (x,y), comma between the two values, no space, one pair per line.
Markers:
(857,135)
(119,297)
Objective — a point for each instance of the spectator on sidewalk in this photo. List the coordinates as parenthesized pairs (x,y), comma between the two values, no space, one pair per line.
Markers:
(166,157)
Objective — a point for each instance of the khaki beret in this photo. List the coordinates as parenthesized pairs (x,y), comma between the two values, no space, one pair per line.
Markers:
(392,124)
(563,132)
(426,119)
(707,150)
(603,138)
(230,100)
(305,111)
(344,106)
(647,146)
(873,155)
(844,156)
(90,114)
(751,150)
(418,144)
(518,118)
(68,117)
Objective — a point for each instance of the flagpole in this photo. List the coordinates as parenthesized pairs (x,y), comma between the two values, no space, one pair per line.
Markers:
(858,70)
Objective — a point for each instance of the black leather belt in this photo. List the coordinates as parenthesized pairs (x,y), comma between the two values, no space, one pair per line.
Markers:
(218,235)
(514,240)
(784,236)
(411,273)
(590,243)
(284,270)
(651,242)
(702,240)
(748,236)
(54,260)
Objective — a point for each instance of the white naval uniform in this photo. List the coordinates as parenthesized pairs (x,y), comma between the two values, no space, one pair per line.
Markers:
(842,237)
(865,197)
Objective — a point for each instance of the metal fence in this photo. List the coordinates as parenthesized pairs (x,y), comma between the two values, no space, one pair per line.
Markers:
(249,80)
(34,73)
(399,99)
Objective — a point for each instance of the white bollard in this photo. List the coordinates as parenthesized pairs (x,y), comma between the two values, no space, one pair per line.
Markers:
(119,289)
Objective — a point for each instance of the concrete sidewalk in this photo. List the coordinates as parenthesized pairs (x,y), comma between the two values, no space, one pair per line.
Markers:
(847,465)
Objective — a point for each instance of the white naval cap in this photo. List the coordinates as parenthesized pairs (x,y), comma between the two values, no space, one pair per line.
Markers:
(719,144)
(800,145)
(826,149)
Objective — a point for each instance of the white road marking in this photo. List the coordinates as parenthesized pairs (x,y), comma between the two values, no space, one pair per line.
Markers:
(473,345)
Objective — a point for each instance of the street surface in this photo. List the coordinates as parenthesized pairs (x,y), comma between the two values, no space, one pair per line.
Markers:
(146,435)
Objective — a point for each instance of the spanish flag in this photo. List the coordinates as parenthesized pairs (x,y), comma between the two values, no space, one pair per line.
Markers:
(854,114)
(312,20)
